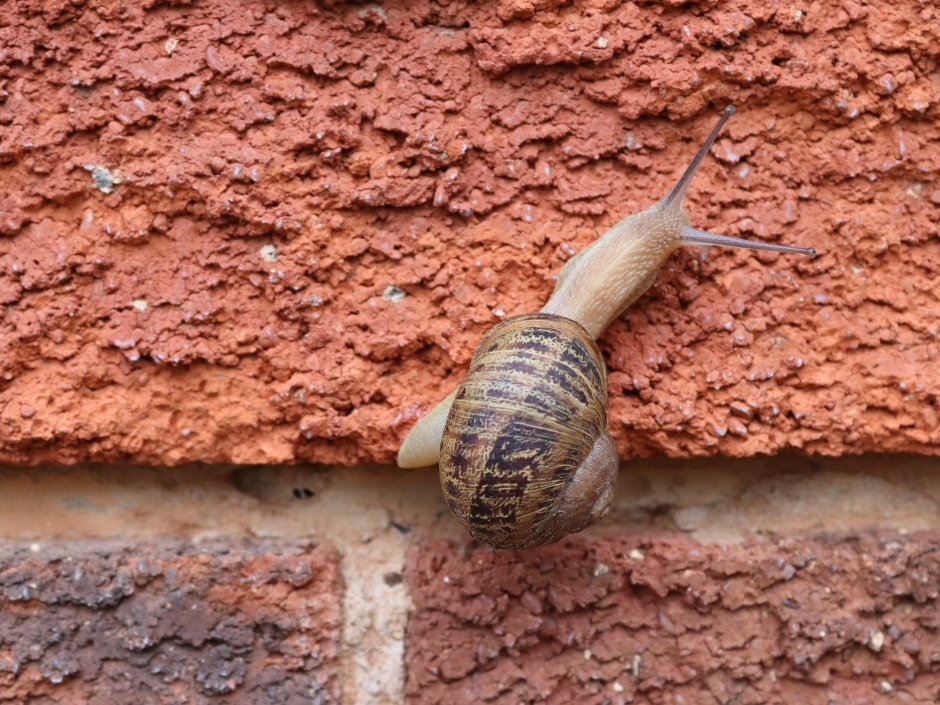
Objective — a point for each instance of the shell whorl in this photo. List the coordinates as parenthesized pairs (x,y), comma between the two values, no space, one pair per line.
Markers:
(528,414)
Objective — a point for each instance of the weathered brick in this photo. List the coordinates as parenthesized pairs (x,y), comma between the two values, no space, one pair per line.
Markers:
(211,211)
(828,619)
(169,623)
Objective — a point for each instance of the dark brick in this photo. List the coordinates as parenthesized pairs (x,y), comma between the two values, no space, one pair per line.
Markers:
(169,623)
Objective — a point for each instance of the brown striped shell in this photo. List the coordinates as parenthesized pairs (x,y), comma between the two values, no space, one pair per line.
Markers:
(525,456)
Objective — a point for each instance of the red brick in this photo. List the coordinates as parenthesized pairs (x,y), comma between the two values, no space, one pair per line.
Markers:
(171,623)
(286,167)
(832,619)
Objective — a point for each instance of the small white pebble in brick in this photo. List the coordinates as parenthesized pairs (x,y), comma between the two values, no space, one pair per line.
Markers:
(636,554)
(393,293)
(139,304)
(885,687)
(616,687)
(103,179)
(268,253)
(876,642)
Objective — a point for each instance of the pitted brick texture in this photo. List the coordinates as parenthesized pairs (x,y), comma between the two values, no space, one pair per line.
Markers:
(99,623)
(838,619)
(264,232)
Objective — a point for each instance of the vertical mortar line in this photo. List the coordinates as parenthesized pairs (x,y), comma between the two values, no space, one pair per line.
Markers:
(375,616)
(376,604)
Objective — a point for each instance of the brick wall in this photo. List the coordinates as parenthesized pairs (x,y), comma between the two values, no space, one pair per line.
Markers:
(269,235)
(776,581)
(275,232)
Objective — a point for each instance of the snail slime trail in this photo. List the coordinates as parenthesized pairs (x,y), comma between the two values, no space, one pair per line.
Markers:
(525,457)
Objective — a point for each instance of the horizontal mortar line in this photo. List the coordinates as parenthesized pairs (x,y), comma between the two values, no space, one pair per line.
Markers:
(716,499)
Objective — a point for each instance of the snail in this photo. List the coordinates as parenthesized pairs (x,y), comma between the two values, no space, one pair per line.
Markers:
(525,456)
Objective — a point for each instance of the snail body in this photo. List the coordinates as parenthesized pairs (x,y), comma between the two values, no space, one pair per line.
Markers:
(483,477)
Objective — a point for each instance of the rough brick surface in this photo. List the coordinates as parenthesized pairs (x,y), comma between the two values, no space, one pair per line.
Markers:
(95,623)
(212,210)
(837,620)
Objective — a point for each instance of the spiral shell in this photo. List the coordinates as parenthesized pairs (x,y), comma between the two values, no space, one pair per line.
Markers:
(525,456)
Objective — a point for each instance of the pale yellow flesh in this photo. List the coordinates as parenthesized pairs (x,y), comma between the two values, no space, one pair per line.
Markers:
(422,445)
(597,285)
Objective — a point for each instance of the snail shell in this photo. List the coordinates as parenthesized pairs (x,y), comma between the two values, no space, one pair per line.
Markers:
(525,456)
